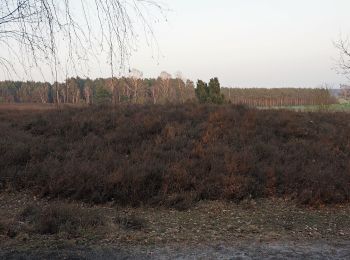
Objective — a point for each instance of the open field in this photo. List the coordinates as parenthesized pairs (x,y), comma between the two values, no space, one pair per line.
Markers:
(35,106)
(26,106)
(341,107)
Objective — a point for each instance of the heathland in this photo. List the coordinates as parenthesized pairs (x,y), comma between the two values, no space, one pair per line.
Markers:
(176,155)
(115,181)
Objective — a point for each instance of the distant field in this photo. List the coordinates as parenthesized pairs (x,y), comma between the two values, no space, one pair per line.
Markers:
(34,106)
(26,106)
(345,107)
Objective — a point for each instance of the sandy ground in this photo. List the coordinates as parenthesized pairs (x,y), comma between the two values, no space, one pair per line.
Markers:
(268,229)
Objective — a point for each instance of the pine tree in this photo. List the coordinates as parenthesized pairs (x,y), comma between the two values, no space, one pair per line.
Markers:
(202,91)
(209,93)
(215,95)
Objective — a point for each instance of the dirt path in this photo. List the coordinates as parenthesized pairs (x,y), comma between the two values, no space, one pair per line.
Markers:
(275,250)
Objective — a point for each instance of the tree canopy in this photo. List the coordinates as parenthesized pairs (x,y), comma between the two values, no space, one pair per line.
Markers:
(209,93)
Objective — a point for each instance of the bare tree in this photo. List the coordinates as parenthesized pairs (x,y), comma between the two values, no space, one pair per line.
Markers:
(88,92)
(181,85)
(343,46)
(165,79)
(135,76)
(345,91)
(165,75)
(37,33)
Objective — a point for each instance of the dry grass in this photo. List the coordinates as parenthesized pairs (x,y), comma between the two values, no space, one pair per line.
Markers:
(206,222)
(26,107)
(59,218)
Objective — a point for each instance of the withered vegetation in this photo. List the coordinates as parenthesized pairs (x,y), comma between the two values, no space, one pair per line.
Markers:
(176,155)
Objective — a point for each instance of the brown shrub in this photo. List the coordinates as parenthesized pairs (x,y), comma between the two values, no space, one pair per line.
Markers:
(58,218)
(30,214)
(2,227)
(131,222)
(181,202)
(173,155)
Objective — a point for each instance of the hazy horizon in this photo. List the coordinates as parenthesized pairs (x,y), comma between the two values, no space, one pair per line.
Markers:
(244,43)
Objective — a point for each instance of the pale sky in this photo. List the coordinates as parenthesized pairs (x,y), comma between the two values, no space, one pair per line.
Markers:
(246,43)
(251,43)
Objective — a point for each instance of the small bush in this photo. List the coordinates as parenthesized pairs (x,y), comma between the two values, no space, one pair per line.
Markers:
(2,227)
(131,222)
(11,229)
(59,218)
(180,202)
(30,214)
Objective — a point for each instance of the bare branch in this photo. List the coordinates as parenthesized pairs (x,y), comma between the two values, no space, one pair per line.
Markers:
(74,34)
(343,66)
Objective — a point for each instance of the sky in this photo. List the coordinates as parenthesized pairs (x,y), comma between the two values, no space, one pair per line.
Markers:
(245,43)
(250,43)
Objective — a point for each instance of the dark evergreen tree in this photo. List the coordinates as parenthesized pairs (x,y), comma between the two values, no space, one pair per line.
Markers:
(102,96)
(215,95)
(209,93)
(202,91)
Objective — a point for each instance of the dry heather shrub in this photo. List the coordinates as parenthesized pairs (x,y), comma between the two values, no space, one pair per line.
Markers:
(2,227)
(178,180)
(168,155)
(181,202)
(30,214)
(237,187)
(58,218)
(131,222)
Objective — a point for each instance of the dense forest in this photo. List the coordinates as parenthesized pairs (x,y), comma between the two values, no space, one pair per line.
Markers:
(162,90)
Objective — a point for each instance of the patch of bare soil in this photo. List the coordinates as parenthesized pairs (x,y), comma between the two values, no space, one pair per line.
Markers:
(251,229)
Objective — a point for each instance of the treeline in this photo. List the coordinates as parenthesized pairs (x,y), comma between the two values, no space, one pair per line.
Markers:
(162,90)
(110,90)
(263,97)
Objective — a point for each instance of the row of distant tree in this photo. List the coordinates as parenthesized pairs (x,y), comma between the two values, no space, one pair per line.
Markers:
(263,97)
(132,89)
(162,90)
